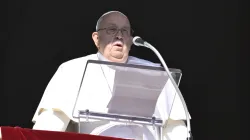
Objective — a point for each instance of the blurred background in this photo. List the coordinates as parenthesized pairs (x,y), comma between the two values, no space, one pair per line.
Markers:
(207,40)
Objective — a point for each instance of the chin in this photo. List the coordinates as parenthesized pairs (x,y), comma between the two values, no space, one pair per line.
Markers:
(119,60)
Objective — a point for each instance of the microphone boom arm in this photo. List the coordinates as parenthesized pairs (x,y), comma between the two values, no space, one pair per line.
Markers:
(146,44)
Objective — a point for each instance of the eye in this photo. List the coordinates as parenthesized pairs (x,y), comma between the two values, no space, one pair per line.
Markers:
(112,29)
(124,30)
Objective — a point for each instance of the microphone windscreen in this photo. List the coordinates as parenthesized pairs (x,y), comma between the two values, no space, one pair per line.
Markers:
(138,41)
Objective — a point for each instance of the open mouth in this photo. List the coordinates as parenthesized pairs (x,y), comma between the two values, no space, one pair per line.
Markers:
(118,44)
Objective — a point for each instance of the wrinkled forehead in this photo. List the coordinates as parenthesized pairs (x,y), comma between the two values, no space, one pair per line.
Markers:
(114,19)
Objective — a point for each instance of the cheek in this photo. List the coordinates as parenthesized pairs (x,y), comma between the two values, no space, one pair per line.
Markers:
(128,44)
(107,48)
(104,40)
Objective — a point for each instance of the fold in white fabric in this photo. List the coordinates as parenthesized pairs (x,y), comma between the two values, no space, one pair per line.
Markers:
(62,90)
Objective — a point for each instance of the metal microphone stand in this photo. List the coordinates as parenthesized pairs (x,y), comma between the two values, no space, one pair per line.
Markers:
(146,44)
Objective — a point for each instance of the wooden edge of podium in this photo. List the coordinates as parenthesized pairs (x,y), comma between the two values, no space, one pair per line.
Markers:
(24,133)
(0,134)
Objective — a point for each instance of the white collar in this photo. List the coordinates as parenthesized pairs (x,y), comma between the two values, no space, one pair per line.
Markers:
(131,60)
(101,57)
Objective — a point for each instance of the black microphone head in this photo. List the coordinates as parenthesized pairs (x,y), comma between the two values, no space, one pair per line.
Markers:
(138,41)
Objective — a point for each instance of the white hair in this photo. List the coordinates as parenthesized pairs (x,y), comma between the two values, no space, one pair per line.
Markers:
(102,17)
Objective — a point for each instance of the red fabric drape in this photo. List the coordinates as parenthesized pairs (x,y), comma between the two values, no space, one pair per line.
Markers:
(17,133)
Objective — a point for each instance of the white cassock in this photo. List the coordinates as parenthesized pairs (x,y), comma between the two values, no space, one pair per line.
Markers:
(55,109)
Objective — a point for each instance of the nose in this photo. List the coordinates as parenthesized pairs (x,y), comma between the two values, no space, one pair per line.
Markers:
(119,34)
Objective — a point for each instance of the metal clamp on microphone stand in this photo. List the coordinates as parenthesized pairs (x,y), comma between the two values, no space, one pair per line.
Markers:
(140,42)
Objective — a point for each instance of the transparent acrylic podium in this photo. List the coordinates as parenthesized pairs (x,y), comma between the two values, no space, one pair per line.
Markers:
(128,94)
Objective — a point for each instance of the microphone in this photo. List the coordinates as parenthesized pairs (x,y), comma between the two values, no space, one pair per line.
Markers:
(140,42)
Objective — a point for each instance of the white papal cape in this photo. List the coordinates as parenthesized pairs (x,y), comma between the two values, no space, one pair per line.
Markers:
(62,90)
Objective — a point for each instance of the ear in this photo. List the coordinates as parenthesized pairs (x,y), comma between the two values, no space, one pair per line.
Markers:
(95,39)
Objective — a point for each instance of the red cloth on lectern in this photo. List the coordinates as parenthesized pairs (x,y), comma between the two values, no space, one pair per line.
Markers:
(17,133)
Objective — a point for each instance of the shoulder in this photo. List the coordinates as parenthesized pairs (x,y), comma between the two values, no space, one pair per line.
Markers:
(139,61)
(78,62)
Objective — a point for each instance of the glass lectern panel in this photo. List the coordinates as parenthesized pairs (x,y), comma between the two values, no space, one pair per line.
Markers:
(125,91)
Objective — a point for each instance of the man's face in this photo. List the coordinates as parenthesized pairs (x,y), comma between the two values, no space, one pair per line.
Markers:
(113,38)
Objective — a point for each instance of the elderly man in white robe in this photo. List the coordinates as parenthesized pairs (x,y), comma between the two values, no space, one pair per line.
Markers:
(113,40)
